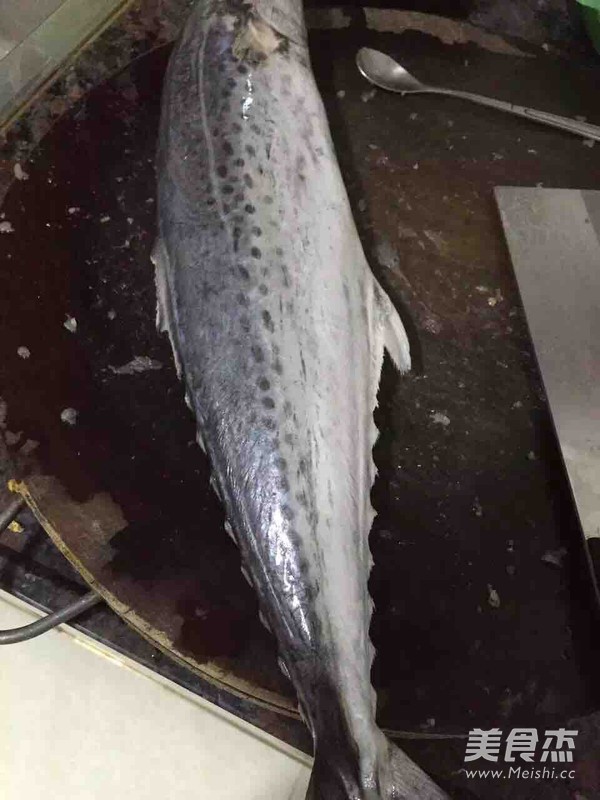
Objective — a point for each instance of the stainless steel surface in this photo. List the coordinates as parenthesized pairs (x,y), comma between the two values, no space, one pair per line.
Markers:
(17,635)
(386,73)
(8,514)
(554,240)
(37,37)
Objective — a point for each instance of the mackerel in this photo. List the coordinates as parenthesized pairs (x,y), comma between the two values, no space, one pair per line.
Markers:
(278,329)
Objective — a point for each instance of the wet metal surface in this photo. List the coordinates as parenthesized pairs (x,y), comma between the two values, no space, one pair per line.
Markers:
(475,620)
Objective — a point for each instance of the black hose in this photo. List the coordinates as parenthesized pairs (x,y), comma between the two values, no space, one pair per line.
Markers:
(10,512)
(40,626)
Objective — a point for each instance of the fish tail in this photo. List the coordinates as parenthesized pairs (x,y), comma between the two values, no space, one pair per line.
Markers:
(397,777)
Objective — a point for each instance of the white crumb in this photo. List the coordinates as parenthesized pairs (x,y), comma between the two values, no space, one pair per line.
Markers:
(589,142)
(70,324)
(73,210)
(555,557)
(69,416)
(341,94)
(20,173)
(493,597)
(6,227)
(23,352)
(136,365)
(440,419)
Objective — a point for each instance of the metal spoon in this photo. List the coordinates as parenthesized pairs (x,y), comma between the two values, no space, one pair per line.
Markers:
(383,71)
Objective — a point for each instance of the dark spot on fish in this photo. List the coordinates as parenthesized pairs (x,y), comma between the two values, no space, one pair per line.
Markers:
(244,273)
(255,129)
(281,464)
(286,275)
(237,232)
(288,513)
(278,251)
(242,69)
(302,467)
(226,209)
(242,299)
(256,230)
(287,408)
(302,499)
(269,423)
(248,180)
(268,199)
(227,188)
(258,354)
(239,197)
(255,252)
(263,384)
(227,148)
(250,150)
(245,323)
(268,321)
(210,201)
(232,83)
(277,366)
(249,208)
(268,402)
(239,162)
(222,171)
(216,132)
(263,289)
(289,439)
(284,484)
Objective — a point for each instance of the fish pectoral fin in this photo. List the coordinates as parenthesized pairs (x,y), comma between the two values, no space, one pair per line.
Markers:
(164,311)
(395,339)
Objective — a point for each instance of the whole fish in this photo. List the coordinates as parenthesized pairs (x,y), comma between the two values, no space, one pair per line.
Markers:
(278,328)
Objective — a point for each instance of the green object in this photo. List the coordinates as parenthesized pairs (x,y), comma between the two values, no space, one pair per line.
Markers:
(590,11)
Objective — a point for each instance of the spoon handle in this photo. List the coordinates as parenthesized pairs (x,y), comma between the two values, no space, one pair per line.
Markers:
(564,123)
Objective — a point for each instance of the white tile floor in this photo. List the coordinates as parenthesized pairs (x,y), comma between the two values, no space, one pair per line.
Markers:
(80,723)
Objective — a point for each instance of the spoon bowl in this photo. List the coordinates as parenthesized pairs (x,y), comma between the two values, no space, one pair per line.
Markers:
(381,70)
